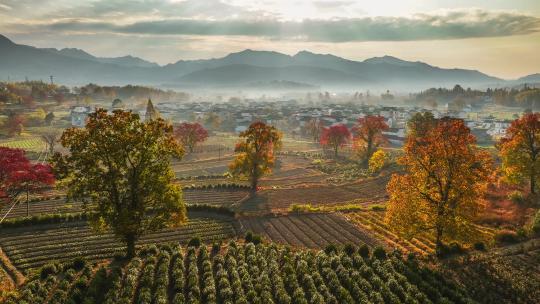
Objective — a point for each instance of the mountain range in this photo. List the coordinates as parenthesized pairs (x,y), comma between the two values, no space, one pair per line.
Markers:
(245,69)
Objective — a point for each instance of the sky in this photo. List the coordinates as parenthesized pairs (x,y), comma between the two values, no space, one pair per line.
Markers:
(497,37)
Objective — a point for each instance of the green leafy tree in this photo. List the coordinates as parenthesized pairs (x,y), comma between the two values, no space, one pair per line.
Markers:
(255,153)
(121,165)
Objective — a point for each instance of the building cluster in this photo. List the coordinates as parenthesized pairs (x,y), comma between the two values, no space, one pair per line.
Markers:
(292,116)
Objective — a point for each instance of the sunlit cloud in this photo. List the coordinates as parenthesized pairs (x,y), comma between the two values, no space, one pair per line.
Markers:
(450,25)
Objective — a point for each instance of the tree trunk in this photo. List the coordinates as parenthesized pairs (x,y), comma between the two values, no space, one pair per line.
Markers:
(27,204)
(532,181)
(438,242)
(254,183)
(130,243)
(336,152)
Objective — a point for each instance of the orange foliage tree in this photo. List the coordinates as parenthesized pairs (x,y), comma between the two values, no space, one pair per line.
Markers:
(442,189)
(368,136)
(520,150)
(335,137)
(255,153)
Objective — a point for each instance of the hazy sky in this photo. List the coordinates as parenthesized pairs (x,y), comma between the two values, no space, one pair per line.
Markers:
(498,37)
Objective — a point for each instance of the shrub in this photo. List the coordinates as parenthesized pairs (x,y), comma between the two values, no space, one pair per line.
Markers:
(47,270)
(506,237)
(194,242)
(216,247)
(349,249)
(364,251)
(330,248)
(79,263)
(379,253)
(249,237)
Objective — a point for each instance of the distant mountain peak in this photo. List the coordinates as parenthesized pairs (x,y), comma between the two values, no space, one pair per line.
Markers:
(5,40)
(388,59)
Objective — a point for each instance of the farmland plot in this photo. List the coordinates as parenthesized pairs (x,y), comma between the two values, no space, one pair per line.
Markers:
(282,199)
(307,230)
(204,167)
(246,274)
(31,247)
(373,221)
(215,197)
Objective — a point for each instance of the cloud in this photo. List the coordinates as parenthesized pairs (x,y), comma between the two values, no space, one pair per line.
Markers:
(455,24)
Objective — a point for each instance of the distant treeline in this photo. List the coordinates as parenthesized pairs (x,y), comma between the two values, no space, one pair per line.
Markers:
(459,97)
(135,92)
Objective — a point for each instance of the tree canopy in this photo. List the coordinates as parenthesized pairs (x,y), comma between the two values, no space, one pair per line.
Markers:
(442,189)
(121,165)
(18,174)
(520,150)
(190,134)
(368,136)
(335,137)
(255,152)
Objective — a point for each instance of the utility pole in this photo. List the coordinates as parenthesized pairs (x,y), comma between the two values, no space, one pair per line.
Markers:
(51,77)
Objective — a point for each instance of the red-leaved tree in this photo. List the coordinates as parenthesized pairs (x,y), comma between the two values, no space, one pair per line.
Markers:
(19,175)
(190,134)
(335,137)
(368,136)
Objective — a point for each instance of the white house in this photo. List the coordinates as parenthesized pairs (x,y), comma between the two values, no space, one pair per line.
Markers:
(79,114)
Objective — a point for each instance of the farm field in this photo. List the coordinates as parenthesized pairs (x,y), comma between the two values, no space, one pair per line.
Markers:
(213,166)
(244,274)
(307,230)
(281,199)
(512,274)
(216,197)
(373,223)
(34,246)
(28,143)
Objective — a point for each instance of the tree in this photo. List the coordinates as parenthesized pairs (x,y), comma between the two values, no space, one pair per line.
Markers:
(313,129)
(121,165)
(50,139)
(49,118)
(190,134)
(368,136)
(520,150)
(335,137)
(420,123)
(442,189)
(151,112)
(255,152)
(212,121)
(18,175)
(377,161)
(14,124)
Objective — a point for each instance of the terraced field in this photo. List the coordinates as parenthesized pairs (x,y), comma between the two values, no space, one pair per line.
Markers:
(373,222)
(367,191)
(308,230)
(31,247)
(216,197)
(202,167)
(245,274)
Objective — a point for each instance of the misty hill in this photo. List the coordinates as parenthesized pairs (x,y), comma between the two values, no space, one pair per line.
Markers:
(75,66)
(533,78)
(127,61)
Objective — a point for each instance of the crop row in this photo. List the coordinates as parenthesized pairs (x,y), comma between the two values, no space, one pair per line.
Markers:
(307,230)
(245,274)
(215,197)
(31,248)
